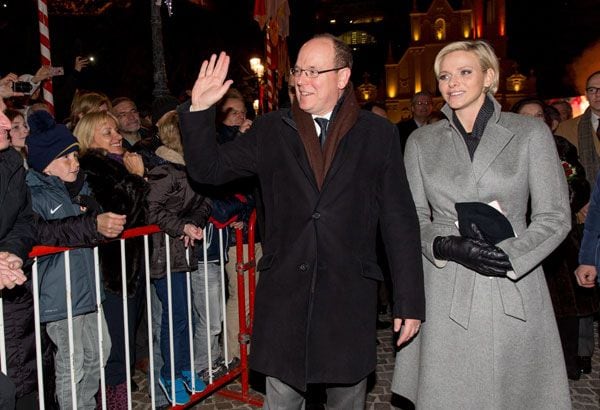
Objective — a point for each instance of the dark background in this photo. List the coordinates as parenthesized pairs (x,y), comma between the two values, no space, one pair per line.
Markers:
(543,35)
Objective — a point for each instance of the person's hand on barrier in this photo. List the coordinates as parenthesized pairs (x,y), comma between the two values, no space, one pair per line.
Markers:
(408,328)
(134,163)
(11,273)
(191,233)
(10,261)
(211,85)
(110,224)
(586,276)
(237,225)
(11,278)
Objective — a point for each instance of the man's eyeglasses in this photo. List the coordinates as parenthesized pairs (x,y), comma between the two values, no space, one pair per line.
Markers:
(592,90)
(311,72)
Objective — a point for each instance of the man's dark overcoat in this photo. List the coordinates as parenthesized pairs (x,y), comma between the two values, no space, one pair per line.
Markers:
(316,300)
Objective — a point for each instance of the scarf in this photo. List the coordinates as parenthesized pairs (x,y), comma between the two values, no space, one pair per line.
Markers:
(343,118)
(472,138)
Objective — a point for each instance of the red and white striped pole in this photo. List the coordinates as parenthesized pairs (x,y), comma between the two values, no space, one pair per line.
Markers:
(270,77)
(45,50)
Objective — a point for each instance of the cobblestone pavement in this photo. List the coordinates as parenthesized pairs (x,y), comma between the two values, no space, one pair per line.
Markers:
(585,393)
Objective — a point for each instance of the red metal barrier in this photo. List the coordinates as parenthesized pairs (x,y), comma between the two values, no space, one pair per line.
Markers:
(42,250)
(245,325)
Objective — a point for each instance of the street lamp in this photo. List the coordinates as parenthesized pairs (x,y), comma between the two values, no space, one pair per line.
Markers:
(259,70)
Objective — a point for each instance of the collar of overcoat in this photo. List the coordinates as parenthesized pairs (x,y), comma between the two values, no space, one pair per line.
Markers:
(343,119)
(495,138)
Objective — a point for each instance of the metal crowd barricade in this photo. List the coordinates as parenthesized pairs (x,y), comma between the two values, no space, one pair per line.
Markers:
(243,267)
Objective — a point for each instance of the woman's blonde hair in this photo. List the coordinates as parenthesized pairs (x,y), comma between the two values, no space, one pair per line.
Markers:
(168,131)
(484,52)
(85,103)
(86,127)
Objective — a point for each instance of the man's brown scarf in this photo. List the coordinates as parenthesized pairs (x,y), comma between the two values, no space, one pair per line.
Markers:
(341,122)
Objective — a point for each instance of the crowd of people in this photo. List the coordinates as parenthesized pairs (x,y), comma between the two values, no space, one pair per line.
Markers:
(488,219)
(80,184)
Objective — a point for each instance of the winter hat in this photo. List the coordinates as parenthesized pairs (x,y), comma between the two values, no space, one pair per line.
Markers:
(162,105)
(47,140)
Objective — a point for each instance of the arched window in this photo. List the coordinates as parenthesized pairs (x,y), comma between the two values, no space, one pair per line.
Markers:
(439,29)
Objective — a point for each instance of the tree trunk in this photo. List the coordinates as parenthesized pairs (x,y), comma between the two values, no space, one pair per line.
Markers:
(158,53)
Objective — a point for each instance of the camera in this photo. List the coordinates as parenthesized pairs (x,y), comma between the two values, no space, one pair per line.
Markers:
(22,87)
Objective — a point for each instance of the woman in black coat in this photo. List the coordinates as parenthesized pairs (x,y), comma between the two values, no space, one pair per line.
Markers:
(16,240)
(116,180)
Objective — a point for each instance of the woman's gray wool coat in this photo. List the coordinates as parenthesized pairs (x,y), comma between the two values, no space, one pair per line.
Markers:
(488,343)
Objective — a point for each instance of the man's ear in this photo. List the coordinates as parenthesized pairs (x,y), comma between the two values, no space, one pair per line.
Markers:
(343,76)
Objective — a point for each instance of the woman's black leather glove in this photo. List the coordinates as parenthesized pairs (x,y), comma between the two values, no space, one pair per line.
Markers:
(475,254)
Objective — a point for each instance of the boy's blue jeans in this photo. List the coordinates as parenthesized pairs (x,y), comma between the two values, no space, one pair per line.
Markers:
(181,343)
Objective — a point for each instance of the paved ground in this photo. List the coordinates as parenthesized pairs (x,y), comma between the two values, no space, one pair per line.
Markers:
(585,393)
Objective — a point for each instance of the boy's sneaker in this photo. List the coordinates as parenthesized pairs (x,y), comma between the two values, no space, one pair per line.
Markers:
(181,394)
(219,369)
(195,387)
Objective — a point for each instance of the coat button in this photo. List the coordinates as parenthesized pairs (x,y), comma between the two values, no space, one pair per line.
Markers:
(303,267)
(316,215)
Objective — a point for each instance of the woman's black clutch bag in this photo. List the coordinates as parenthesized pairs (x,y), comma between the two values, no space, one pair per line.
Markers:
(494,226)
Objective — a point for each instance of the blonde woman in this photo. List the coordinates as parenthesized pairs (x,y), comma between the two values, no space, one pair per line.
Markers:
(490,340)
(116,180)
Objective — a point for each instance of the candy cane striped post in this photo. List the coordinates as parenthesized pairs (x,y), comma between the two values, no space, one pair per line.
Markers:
(269,68)
(45,50)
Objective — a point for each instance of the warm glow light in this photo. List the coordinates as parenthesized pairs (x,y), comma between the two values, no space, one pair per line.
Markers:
(332,21)
(254,63)
(391,91)
(466,32)
(255,105)
(438,35)
(260,70)
(416,34)
(517,87)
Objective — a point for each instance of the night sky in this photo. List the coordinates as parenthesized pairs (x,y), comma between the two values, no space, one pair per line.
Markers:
(544,36)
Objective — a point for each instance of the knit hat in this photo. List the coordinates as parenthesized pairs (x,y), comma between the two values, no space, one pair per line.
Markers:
(162,105)
(47,140)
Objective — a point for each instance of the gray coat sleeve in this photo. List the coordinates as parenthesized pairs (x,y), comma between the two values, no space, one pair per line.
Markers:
(429,230)
(550,209)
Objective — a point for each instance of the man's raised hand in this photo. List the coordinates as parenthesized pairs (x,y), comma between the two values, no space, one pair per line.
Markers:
(211,85)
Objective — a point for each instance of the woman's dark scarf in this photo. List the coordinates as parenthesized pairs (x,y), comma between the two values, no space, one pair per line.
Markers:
(472,138)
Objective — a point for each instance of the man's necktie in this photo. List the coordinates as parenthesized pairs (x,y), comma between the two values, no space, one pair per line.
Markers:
(323,125)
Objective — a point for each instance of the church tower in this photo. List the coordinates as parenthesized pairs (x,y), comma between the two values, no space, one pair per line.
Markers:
(489,22)
(433,29)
